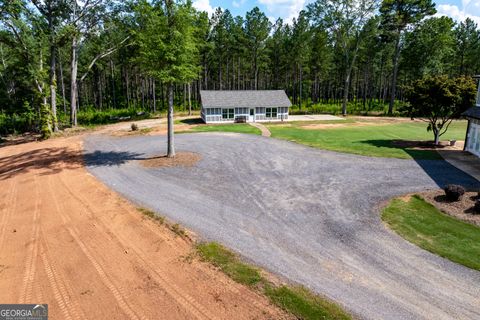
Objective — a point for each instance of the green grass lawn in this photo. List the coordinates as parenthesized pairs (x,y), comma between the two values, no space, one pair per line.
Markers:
(295,300)
(424,225)
(229,127)
(368,140)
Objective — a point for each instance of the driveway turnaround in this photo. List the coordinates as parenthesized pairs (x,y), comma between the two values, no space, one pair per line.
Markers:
(309,215)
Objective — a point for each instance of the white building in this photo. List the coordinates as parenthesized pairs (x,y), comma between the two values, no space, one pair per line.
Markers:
(244,106)
(472,140)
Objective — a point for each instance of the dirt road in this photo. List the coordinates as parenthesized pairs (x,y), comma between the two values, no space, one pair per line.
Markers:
(67,240)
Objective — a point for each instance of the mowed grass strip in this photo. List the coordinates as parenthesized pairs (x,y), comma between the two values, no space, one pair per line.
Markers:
(296,300)
(230,127)
(303,304)
(368,140)
(228,262)
(424,225)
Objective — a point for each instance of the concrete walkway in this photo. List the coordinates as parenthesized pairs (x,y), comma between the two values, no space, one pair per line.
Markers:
(463,160)
(308,215)
(265,131)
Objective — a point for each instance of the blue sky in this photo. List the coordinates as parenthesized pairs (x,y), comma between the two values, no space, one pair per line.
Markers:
(287,9)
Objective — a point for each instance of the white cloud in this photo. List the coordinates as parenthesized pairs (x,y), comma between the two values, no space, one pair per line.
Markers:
(286,9)
(455,13)
(204,5)
(238,4)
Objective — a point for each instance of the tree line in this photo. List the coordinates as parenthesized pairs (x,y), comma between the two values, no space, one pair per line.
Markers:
(62,58)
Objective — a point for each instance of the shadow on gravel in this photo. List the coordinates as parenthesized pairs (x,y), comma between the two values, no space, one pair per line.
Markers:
(440,171)
(444,173)
(54,160)
(111,158)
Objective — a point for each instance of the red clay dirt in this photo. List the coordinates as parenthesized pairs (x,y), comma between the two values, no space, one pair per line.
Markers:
(69,241)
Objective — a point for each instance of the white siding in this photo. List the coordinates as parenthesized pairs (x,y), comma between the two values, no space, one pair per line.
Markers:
(478,95)
(473,138)
(210,115)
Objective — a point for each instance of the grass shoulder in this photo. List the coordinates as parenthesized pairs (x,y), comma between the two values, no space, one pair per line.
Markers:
(424,225)
(298,301)
(229,127)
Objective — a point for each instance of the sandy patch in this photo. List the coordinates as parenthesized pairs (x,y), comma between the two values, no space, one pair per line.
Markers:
(462,209)
(405,198)
(339,125)
(181,159)
(156,130)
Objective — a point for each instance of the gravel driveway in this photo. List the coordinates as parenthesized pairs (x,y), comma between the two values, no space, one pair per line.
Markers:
(306,214)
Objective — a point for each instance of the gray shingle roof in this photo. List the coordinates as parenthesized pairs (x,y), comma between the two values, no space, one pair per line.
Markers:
(473,112)
(244,99)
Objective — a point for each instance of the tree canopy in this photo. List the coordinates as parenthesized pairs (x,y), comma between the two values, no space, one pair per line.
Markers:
(93,56)
(440,99)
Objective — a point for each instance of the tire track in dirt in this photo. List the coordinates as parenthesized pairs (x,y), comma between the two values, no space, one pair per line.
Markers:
(185,300)
(32,255)
(118,293)
(10,206)
(62,291)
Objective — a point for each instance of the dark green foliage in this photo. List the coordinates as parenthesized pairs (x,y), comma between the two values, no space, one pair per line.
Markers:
(454,192)
(440,99)
(476,208)
(335,56)
(96,117)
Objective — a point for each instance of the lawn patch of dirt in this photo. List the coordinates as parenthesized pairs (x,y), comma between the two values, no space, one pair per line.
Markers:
(317,126)
(181,159)
(462,209)
(427,145)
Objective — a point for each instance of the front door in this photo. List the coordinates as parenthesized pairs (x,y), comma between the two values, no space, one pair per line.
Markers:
(251,118)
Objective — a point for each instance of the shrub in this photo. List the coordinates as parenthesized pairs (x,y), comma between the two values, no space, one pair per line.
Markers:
(134,127)
(454,192)
(476,208)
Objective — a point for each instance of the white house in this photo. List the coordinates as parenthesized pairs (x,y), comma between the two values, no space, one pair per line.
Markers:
(472,140)
(244,106)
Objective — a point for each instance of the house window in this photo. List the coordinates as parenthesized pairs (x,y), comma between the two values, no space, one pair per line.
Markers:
(213,111)
(228,113)
(271,112)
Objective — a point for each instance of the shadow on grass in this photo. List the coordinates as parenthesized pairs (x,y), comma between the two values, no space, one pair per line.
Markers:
(192,121)
(421,153)
(439,170)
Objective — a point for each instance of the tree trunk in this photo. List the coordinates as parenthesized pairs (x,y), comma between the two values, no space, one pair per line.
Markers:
(394,77)
(437,137)
(189,99)
(170,142)
(62,84)
(53,85)
(346,87)
(112,75)
(73,83)
(154,97)
(347,81)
